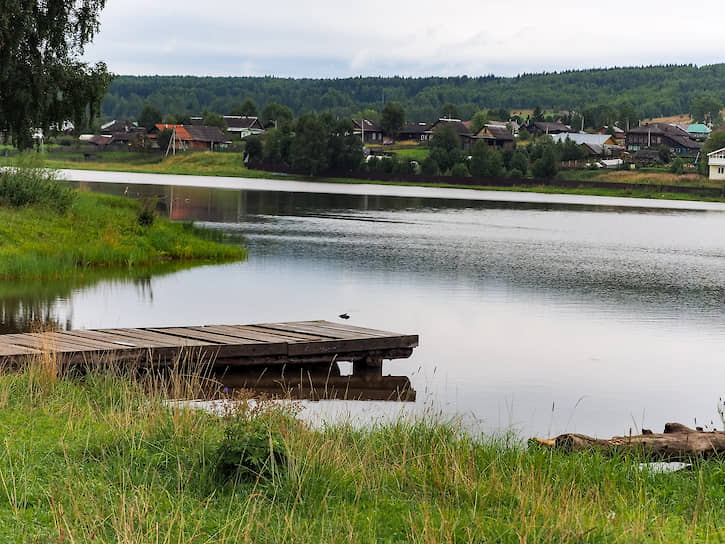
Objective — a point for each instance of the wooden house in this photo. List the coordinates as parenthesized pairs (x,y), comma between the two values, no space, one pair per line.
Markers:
(417,132)
(370,131)
(654,135)
(243,125)
(496,136)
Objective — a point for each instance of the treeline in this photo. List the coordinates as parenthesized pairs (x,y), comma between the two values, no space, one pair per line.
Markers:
(652,91)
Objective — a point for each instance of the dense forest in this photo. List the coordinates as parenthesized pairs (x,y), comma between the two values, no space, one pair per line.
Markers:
(653,91)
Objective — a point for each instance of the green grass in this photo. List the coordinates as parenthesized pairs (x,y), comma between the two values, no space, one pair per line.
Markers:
(414,153)
(39,240)
(102,459)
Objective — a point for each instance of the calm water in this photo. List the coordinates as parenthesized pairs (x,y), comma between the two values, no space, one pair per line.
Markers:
(548,315)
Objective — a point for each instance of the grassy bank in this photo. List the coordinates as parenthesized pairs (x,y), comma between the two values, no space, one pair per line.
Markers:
(47,231)
(102,459)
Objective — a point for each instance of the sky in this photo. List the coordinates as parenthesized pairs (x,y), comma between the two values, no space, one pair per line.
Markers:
(333,38)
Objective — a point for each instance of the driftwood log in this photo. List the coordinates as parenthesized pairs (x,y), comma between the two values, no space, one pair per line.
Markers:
(677,442)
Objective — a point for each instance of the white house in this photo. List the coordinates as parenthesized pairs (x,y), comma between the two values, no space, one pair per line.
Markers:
(716,160)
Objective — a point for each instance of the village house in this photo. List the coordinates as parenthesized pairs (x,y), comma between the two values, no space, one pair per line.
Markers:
(193,137)
(496,136)
(464,134)
(619,134)
(716,163)
(596,145)
(243,126)
(369,131)
(654,135)
(416,132)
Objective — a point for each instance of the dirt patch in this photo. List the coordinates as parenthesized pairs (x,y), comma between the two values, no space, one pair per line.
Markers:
(653,178)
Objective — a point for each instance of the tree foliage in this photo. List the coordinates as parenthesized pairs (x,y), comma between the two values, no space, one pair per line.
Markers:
(392,119)
(150,116)
(706,109)
(247,109)
(643,92)
(486,162)
(445,147)
(42,81)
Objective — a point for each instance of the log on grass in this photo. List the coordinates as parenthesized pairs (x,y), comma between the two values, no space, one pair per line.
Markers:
(677,442)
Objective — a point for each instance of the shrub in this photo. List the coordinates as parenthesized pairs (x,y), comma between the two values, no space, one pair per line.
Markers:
(249,450)
(26,186)
(460,170)
(677,166)
(146,213)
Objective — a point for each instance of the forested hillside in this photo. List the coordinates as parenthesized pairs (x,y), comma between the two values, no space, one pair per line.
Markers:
(653,91)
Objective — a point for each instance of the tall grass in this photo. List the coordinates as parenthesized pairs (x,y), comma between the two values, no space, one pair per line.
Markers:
(101,457)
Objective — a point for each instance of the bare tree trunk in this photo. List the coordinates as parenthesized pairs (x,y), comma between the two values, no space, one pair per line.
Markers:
(677,442)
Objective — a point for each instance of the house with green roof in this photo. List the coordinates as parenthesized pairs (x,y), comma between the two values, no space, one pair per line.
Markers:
(698,131)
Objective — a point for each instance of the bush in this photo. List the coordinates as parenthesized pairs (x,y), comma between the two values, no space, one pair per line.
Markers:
(460,170)
(677,166)
(430,167)
(249,450)
(26,186)
(515,173)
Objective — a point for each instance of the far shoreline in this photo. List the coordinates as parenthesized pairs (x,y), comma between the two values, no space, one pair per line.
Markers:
(350,186)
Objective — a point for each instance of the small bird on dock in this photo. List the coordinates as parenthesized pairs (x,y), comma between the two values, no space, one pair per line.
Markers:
(344,316)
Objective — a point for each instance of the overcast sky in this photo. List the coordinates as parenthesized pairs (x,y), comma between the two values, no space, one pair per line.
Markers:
(335,38)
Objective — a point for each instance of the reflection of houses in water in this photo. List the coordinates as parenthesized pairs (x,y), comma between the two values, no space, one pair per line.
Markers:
(318,382)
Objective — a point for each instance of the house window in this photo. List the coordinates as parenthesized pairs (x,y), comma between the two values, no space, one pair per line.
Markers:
(721,170)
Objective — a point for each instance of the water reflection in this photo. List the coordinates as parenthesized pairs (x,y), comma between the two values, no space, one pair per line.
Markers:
(318,382)
(33,305)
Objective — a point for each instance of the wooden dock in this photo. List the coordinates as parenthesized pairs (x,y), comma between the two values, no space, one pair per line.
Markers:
(301,342)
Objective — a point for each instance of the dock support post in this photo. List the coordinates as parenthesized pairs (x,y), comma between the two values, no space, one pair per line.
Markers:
(371,365)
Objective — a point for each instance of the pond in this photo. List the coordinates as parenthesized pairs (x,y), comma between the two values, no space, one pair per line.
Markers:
(537,313)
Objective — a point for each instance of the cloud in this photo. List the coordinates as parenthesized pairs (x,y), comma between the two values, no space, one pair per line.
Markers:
(326,38)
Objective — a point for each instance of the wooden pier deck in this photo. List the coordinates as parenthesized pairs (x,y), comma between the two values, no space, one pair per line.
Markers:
(301,342)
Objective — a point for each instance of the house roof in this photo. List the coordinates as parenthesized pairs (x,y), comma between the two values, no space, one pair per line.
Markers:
(240,122)
(181,133)
(457,124)
(367,125)
(99,139)
(205,133)
(618,131)
(716,151)
(582,138)
(514,125)
(118,126)
(414,128)
(698,128)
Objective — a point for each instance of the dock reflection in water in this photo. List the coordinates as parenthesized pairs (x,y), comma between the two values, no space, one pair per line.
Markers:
(317,382)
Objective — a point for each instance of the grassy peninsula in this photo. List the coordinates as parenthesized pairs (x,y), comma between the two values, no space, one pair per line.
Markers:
(50,231)
(104,459)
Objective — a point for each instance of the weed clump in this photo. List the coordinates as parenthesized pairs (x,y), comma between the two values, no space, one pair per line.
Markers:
(27,186)
(250,450)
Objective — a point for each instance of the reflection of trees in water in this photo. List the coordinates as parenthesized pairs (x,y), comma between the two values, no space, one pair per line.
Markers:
(22,314)
(29,305)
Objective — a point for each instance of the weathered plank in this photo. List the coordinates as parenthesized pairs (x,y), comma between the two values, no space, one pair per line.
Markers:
(308,342)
